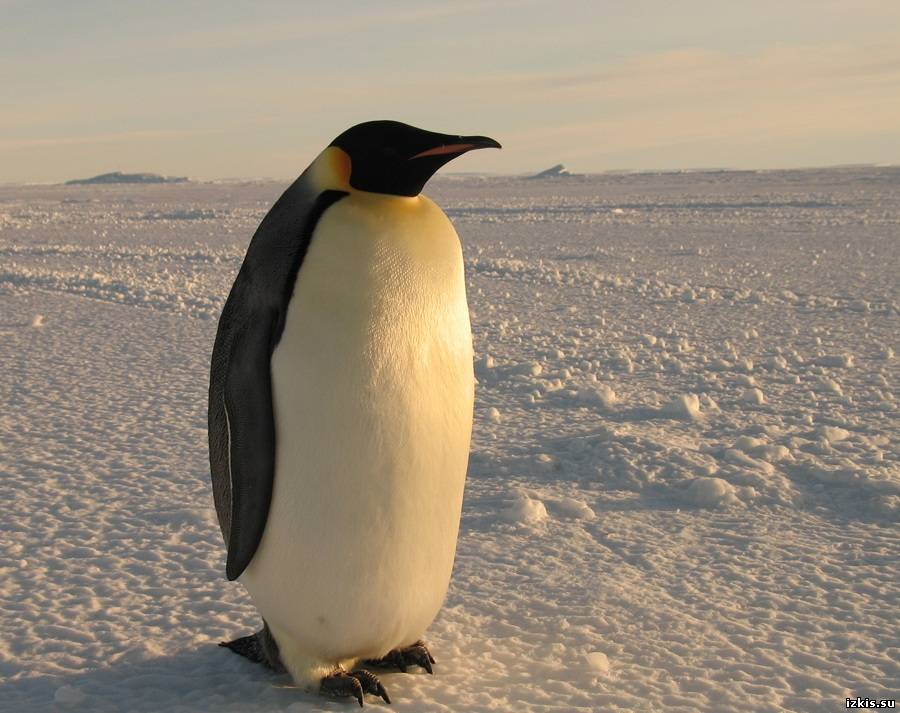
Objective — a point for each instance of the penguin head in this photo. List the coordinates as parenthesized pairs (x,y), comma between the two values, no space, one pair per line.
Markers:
(398,159)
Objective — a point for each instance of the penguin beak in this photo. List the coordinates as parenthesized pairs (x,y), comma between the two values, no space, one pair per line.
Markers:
(460,146)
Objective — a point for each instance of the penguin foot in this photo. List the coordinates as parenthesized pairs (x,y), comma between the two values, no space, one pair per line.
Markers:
(259,648)
(415,655)
(341,684)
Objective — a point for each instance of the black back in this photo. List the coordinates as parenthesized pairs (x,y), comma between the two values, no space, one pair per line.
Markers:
(241,416)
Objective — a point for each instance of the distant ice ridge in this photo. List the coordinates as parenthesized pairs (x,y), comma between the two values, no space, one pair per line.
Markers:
(119,177)
(557,171)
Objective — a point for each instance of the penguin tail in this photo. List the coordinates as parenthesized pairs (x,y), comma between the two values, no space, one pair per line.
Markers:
(259,648)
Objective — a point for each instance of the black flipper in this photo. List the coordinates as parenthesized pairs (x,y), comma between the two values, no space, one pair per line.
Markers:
(241,419)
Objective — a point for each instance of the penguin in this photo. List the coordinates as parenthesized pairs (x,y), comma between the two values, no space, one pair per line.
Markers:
(340,412)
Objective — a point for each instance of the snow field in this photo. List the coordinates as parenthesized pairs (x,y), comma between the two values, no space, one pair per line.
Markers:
(684,485)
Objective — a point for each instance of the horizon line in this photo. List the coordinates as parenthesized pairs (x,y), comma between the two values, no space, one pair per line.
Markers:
(482,174)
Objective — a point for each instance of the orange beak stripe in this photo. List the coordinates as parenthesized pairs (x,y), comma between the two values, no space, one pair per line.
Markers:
(445,149)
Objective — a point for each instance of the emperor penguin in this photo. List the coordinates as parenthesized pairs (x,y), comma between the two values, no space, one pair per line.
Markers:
(340,412)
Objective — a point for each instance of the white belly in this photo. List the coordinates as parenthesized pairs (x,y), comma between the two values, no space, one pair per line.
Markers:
(373,392)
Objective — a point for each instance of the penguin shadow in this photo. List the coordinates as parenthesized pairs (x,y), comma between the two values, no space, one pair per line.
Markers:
(200,679)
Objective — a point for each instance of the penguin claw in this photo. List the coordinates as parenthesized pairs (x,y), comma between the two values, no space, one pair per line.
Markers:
(370,683)
(341,684)
(415,655)
(355,684)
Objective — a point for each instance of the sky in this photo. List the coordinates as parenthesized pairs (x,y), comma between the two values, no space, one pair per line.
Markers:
(256,89)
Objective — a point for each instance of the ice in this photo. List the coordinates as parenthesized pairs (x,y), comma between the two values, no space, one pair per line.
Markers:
(640,530)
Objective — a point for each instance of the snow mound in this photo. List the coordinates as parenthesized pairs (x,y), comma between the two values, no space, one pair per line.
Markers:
(710,492)
(753,396)
(601,395)
(842,361)
(574,509)
(887,505)
(832,434)
(69,696)
(831,386)
(748,444)
(484,365)
(598,662)
(531,368)
(685,406)
(525,510)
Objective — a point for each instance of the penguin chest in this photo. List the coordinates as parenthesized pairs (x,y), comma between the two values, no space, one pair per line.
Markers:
(372,393)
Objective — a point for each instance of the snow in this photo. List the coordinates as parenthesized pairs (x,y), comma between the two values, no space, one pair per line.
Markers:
(69,696)
(638,533)
(598,662)
(685,406)
(525,511)
(753,396)
(601,395)
(711,492)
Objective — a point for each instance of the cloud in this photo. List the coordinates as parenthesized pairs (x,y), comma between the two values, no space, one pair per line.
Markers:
(109,138)
(693,105)
(712,98)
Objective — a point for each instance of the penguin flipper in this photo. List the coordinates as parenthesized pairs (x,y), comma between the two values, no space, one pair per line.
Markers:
(242,423)
(241,415)
(250,420)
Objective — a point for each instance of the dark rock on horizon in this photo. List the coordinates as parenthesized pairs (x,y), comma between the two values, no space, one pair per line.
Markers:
(553,172)
(119,177)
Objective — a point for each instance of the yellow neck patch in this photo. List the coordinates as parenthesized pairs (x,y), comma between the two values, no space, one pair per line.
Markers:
(331,170)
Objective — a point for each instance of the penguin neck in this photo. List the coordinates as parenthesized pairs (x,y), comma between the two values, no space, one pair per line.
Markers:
(330,171)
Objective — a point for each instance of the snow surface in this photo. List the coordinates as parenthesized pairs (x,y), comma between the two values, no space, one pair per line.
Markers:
(684,486)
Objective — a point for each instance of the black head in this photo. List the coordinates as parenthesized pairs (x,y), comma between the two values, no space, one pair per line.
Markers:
(398,159)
